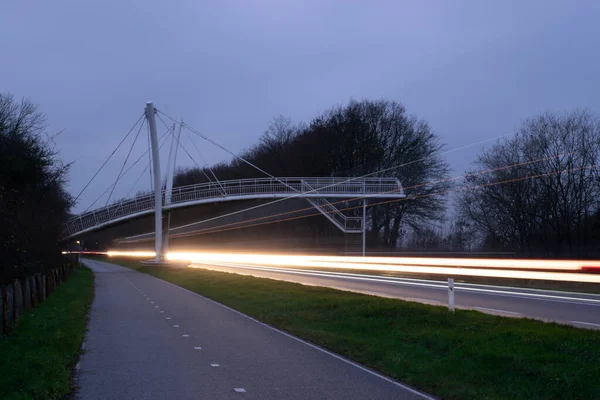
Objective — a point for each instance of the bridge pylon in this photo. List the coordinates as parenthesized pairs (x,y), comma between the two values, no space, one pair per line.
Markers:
(158,242)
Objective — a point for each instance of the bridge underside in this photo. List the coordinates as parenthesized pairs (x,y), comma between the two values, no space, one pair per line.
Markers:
(198,226)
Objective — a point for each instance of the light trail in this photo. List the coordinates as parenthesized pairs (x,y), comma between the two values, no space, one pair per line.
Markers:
(579,298)
(526,264)
(135,254)
(379,263)
(552,270)
(98,253)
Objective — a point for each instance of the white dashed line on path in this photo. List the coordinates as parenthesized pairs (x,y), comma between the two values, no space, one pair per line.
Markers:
(197,348)
(185,335)
(240,390)
(175,326)
(320,349)
(168,318)
(215,365)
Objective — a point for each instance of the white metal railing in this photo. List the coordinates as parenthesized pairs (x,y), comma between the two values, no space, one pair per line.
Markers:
(345,223)
(276,187)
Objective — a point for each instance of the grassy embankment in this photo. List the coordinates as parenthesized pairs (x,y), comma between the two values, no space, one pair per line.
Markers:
(37,358)
(466,355)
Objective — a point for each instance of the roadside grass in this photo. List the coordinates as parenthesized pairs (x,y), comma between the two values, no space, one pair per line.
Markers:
(37,358)
(466,355)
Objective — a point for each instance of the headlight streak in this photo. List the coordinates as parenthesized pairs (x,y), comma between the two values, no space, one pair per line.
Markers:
(552,270)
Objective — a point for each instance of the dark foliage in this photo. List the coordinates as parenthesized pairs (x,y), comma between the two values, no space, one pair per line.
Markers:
(33,201)
(354,140)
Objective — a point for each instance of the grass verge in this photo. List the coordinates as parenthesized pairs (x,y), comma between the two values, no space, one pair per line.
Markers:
(37,358)
(466,355)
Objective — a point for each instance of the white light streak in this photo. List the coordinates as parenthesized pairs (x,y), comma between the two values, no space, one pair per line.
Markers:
(553,270)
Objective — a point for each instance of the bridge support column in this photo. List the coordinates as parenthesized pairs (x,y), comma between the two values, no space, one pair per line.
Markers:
(158,242)
(166,227)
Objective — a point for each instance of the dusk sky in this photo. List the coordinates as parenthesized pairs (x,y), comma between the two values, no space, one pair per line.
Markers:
(472,69)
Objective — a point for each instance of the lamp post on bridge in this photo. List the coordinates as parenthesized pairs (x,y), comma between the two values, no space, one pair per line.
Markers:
(158,243)
(364,230)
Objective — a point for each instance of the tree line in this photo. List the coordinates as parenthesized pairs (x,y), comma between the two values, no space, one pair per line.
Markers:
(33,201)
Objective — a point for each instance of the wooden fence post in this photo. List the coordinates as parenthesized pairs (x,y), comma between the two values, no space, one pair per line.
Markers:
(32,291)
(2,302)
(42,288)
(7,312)
(17,300)
(43,285)
(27,294)
(38,288)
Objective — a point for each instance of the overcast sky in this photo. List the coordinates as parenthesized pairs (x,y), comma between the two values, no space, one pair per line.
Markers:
(472,69)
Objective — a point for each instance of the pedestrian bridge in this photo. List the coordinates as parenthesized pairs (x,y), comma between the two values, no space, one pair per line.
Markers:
(315,190)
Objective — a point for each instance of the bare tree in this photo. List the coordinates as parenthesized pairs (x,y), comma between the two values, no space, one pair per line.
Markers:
(542,203)
(461,236)
(425,238)
(281,132)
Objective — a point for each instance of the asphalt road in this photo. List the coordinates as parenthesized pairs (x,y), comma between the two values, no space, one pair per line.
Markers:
(149,339)
(578,309)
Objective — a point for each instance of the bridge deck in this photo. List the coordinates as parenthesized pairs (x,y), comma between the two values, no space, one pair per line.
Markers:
(242,189)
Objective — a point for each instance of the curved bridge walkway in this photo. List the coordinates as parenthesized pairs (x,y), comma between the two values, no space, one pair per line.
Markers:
(316,190)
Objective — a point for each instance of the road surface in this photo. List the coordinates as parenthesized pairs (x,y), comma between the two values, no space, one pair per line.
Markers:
(578,309)
(149,339)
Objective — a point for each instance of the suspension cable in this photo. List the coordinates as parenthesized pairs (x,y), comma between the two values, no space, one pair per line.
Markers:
(109,157)
(189,155)
(205,163)
(125,173)
(145,169)
(230,152)
(150,157)
(143,172)
(124,163)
